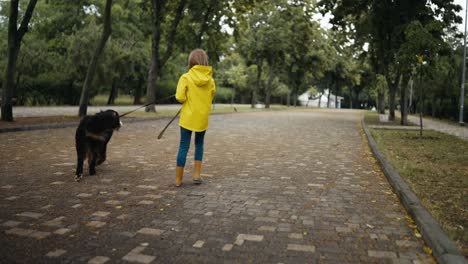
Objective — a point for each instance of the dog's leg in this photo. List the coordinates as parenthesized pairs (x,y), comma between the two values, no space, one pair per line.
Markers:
(92,157)
(103,147)
(102,153)
(81,156)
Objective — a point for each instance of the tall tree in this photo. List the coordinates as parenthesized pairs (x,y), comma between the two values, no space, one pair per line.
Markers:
(159,11)
(382,23)
(84,99)
(15,35)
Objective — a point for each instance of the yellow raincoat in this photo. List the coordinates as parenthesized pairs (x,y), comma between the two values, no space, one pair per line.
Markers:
(195,91)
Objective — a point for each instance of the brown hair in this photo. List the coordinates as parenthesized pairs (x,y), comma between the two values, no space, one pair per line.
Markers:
(197,57)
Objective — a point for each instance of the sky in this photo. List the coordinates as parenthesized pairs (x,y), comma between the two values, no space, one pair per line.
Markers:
(461,27)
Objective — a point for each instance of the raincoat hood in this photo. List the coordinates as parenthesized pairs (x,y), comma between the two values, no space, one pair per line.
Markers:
(201,75)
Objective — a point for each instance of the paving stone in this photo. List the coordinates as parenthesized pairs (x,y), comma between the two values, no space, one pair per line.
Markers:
(135,256)
(267,228)
(11,223)
(296,236)
(145,202)
(315,185)
(98,260)
(56,222)
(101,214)
(31,215)
(248,237)
(62,231)
(153,196)
(150,231)
(150,187)
(381,254)
(303,248)
(96,224)
(406,243)
(343,229)
(194,221)
(19,231)
(199,244)
(39,234)
(266,219)
(113,202)
(56,253)
(123,217)
(84,195)
(228,247)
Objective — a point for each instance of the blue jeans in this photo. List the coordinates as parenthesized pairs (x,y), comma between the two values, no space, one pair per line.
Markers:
(185,137)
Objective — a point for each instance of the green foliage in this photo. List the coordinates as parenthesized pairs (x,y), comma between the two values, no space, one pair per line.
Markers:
(223,94)
(275,49)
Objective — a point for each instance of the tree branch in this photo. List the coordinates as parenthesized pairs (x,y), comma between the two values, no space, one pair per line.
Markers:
(27,16)
(172,32)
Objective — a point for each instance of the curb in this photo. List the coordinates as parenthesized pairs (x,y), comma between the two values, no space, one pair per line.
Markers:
(443,249)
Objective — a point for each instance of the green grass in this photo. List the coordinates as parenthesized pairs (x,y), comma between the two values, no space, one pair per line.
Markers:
(436,168)
(120,100)
(372,118)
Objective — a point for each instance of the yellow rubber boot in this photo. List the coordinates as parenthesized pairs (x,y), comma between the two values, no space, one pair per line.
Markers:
(196,174)
(179,176)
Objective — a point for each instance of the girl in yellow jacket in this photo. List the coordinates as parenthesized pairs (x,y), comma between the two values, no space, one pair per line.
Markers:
(195,90)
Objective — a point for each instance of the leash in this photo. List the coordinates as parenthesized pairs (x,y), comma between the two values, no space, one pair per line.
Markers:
(164,129)
(145,105)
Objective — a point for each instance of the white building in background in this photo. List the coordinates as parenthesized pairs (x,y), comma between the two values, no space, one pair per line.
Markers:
(320,100)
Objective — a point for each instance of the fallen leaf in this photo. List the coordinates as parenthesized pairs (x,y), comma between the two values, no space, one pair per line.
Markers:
(428,250)
(417,234)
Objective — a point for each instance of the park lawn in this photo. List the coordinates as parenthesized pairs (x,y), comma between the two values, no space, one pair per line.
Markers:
(436,168)
(372,118)
(120,100)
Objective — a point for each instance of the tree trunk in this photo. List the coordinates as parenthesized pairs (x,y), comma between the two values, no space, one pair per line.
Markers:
(113,93)
(270,80)
(392,96)
(336,98)
(158,63)
(328,102)
(137,99)
(404,101)
(94,61)
(259,82)
(391,102)
(14,44)
(381,102)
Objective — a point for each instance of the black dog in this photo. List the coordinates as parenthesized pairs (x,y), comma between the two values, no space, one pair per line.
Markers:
(91,138)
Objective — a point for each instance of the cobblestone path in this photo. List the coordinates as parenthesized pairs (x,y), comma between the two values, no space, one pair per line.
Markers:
(279,187)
